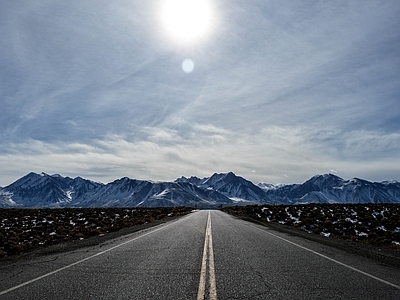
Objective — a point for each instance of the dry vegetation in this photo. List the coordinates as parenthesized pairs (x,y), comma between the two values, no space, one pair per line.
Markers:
(377,224)
(22,230)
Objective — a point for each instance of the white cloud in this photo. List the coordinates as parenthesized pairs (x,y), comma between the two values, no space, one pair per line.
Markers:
(96,90)
(277,154)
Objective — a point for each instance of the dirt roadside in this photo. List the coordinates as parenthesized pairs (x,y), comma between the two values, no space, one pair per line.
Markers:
(384,255)
(79,244)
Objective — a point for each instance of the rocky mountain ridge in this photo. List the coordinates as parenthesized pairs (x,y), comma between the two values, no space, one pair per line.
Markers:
(223,189)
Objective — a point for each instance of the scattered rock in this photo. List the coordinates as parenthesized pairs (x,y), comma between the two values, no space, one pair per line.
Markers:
(376,224)
(22,230)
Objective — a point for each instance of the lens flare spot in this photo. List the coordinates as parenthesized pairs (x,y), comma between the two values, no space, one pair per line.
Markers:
(188,66)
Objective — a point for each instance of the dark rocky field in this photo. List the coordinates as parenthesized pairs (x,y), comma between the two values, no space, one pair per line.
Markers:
(371,230)
(25,230)
(376,224)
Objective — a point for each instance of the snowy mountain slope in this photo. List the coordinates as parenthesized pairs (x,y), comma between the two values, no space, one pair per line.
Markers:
(329,188)
(129,192)
(39,190)
(231,186)
(187,194)
(267,186)
(43,190)
(118,193)
(6,200)
(193,180)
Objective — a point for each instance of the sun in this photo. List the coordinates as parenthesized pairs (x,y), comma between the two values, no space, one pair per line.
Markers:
(186,21)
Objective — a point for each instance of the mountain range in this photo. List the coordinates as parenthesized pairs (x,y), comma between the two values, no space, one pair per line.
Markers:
(224,189)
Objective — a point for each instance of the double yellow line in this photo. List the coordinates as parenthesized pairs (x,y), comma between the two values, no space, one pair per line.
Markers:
(208,257)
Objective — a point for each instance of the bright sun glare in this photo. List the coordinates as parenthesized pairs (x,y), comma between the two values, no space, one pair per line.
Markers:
(187,21)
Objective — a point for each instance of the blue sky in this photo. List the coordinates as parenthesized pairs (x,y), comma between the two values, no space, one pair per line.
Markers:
(280,90)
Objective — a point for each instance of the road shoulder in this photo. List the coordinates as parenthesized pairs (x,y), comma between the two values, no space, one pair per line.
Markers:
(387,256)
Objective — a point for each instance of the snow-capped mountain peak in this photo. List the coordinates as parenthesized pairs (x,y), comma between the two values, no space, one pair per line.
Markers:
(43,190)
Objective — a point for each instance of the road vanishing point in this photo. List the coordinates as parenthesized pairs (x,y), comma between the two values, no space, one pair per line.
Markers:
(203,255)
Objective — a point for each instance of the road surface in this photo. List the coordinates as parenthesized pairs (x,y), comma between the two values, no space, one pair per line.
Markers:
(204,255)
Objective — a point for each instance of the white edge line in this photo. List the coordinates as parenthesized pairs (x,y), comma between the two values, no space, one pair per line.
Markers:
(81,261)
(331,259)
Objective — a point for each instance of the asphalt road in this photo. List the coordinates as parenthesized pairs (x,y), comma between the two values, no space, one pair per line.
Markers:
(207,254)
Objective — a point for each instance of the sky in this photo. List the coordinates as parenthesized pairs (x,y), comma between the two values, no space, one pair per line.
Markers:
(275,91)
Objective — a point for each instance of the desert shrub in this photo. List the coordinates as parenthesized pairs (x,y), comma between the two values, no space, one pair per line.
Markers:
(12,248)
(160,216)
(23,229)
(317,230)
(380,223)
(327,224)
(95,231)
(114,228)
(396,236)
(298,224)
(79,235)
(35,241)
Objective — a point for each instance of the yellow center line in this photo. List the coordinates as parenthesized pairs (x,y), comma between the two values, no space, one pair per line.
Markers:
(208,256)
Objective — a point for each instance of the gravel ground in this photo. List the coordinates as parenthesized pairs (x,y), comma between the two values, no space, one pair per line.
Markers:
(30,232)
